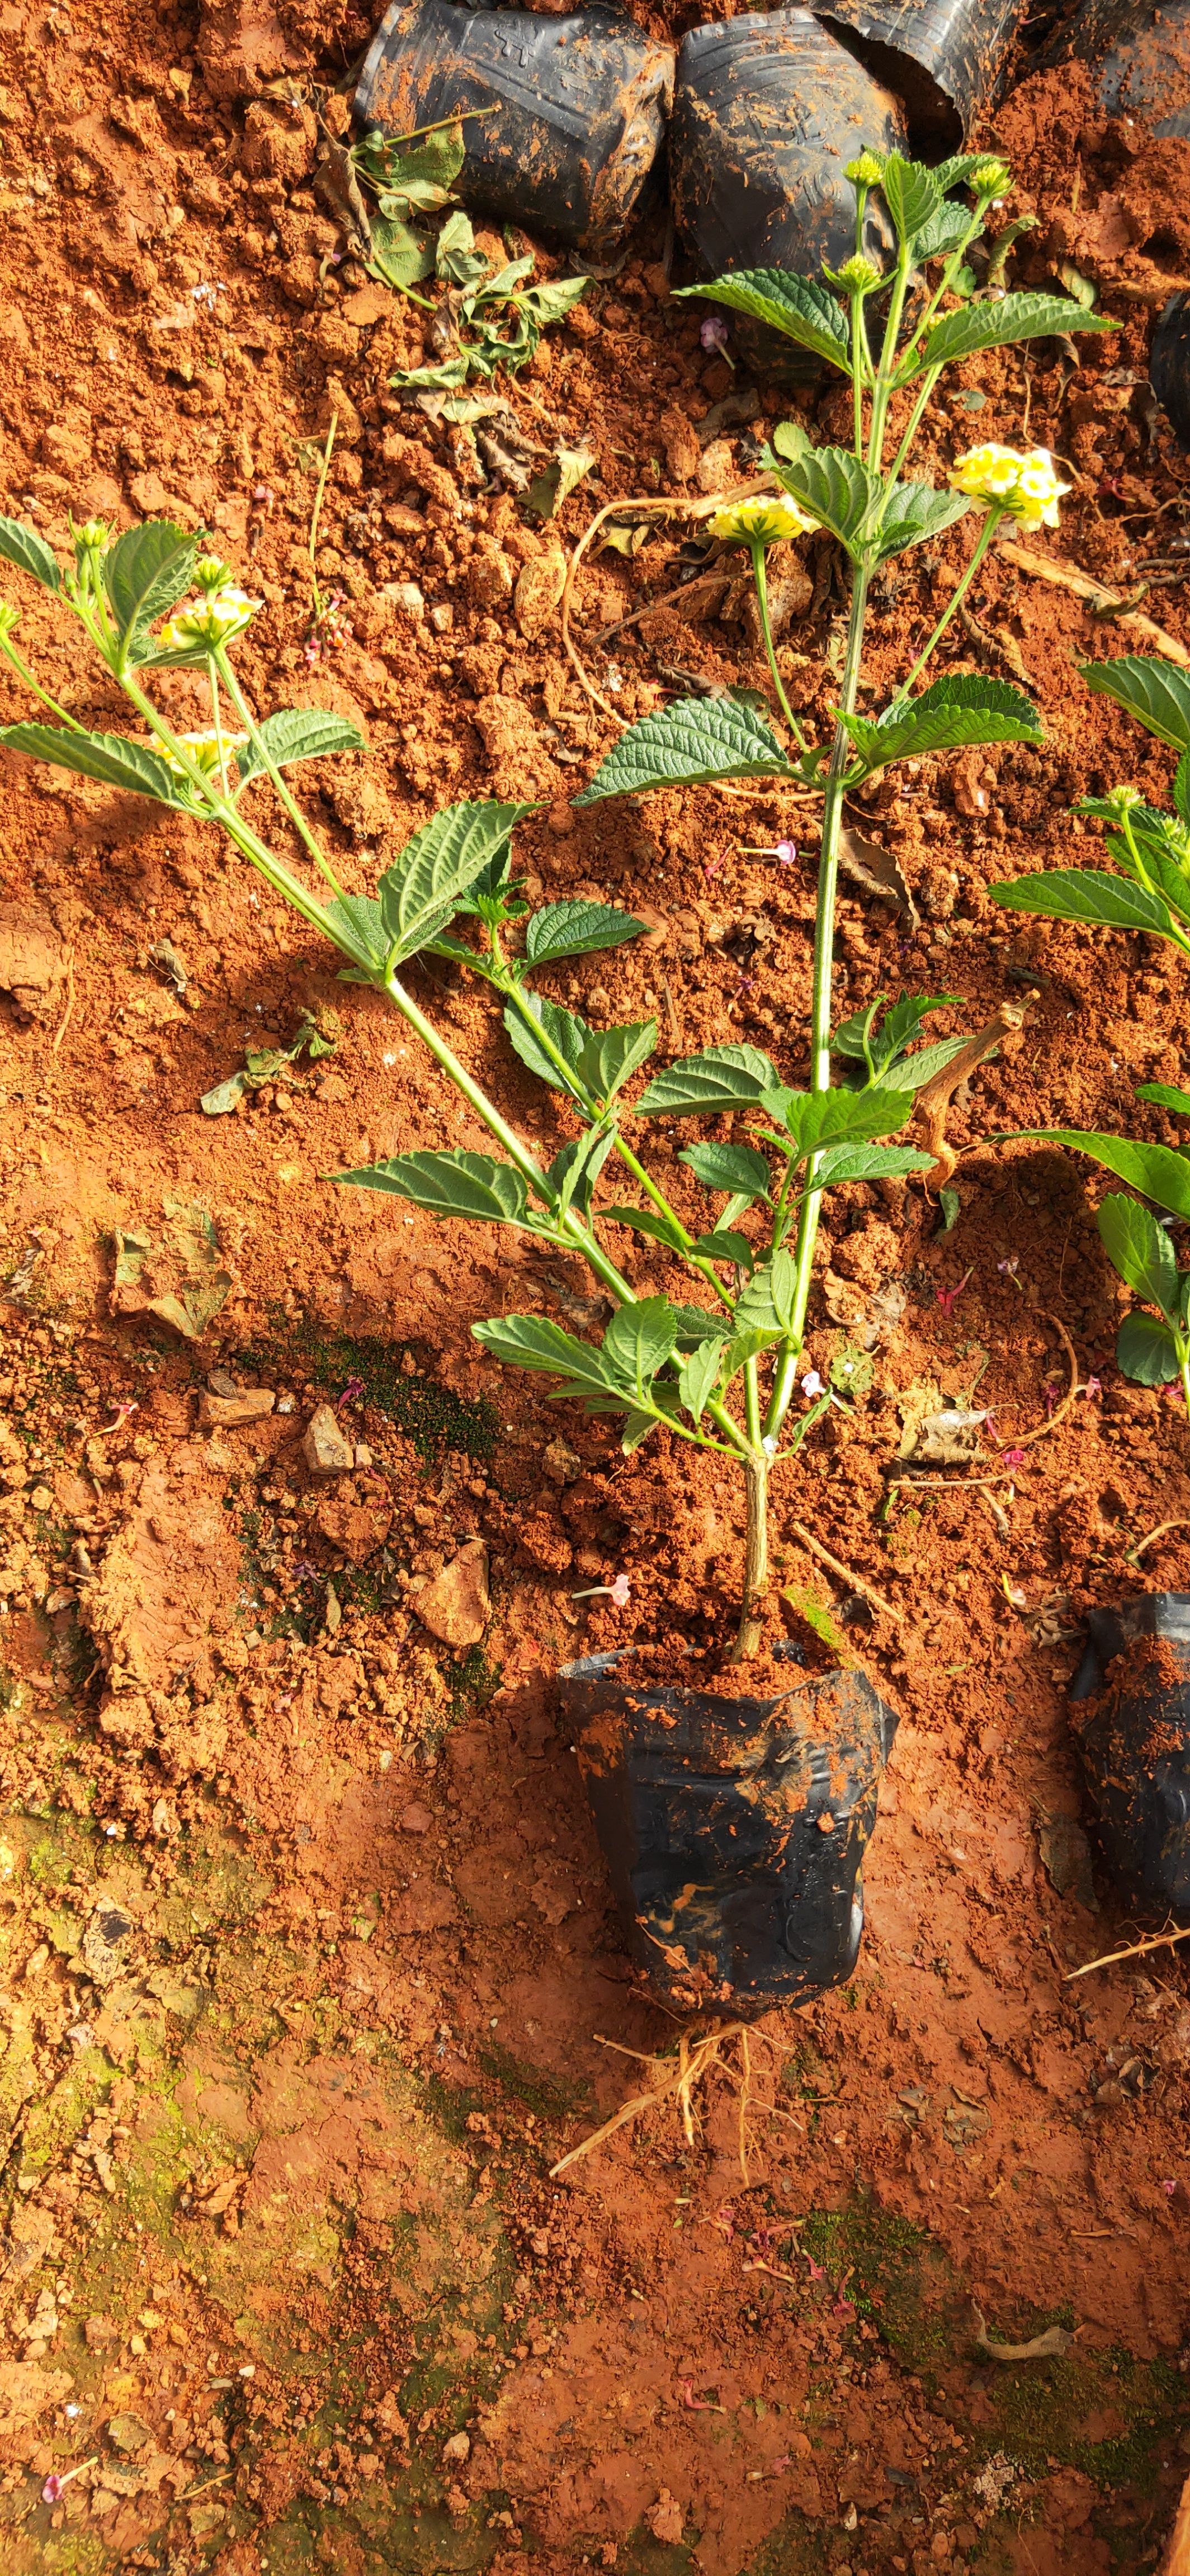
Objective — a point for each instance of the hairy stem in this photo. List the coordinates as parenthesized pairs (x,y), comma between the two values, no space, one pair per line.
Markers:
(760,578)
(9,650)
(220,663)
(986,534)
(756,1556)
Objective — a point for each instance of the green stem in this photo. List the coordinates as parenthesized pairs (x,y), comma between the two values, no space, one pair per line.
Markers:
(760,578)
(946,281)
(824,942)
(888,354)
(929,380)
(1184,1372)
(986,534)
(9,650)
(316,513)
(219,662)
(217,713)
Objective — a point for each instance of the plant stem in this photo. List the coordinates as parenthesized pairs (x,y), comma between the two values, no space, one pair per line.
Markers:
(1184,1371)
(217,713)
(9,650)
(316,513)
(220,663)
(756,1555)
(824,942)
(760,578)
(986,534)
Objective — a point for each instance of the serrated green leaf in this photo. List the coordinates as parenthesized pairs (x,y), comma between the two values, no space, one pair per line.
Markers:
(693,1324)
(682,745)
(533,1342)
(736,1168)
(765,1305)
(1139,1249)
(697,1375)
(911,194)
(798,307)
(1146,1351)
(791,439)
(648,1221)
(108,757)
(836,489)
(817,1118)
(638,1340)
(1157,1171)
(577,929)
(421,891)
(915,511)
(147,571)
(724,1244)
(1166,1095)
(454,1184)
(942,234)
(354,923)
(998,325)
(952,712)
(1181,789)
(725,1077)
(1087,895)
(22,545)
(567,1032)
(748,1346)
(869,1163)
(909,1072)
(575,1170)
(298,733)
(955,172)
(1153,691)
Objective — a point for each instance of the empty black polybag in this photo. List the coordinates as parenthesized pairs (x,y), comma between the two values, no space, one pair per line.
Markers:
(733,1829)
(575,109)
(943,58)
(1134,1741)
(1169,365)
(1138,56)
(768,110)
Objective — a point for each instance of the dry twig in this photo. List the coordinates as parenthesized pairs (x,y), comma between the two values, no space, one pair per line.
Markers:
(934,1098)
(678,2080)
(1132,1555)
(858,1582)
(1105,602)
(667,507)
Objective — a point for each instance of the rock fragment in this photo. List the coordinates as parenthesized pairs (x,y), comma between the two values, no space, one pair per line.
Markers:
(324,1448)
(456,1606)
(229,1412)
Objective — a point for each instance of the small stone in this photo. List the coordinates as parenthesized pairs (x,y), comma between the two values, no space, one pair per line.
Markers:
(221,1382)
(333,1615)
(456,1606)
(442,618)
(324,1448)
(665,2518)
(41,1498)
(286,1404)
(456,2450)
(407,600)
(416,1820)
(363,1455)
(226,1412)
(561,1463)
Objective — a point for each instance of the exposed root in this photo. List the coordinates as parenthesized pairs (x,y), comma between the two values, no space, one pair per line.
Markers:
(1133,1555)
(1136,1950)
(678,2079)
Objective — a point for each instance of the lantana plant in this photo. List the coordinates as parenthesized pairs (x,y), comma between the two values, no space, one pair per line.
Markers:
(721,1371)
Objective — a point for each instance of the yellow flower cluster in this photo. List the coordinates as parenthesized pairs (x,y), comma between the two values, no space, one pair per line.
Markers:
(760,521)
(203,748)
(212,620)
(1024,486)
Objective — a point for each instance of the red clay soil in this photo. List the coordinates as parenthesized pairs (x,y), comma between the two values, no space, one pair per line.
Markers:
(307,1934)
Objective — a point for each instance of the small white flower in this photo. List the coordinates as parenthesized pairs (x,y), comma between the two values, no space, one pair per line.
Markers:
(812,1384)
(1024,486)
(769,1445)
(761,521)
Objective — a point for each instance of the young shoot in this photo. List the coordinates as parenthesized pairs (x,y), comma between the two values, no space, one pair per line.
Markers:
(1149,849)
(1153,1352)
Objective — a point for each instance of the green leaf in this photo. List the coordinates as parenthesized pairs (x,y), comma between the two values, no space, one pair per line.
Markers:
(766,1304)
(1181,789)
(21,545)
(577,929)
(911,194)
(1156,1170)
(1139,1249)
(724,1244)
(146,572)
(558,480)
(736,1168)
(1088,895)
(954,173)
(697,1375)
(694,1324)
(454,1184)
(109,757)
(723,1077)
(748,1346)
(576,1169)
(791,438)
(354,923)
(298,733)
(1146,1351)
(399,255)
(533,1342)
(909,1072)
(647,1221)
(943,232)
(816,1118)
(553,299)
(679,746)
(798,307)
(869,1163)
(638,1340)
(434,160)
(915,511)
(1153,691)
(836,489)
(614,1054)
(964,709)
(997,325)
(600,1060)
(421,891)
(1166,1096)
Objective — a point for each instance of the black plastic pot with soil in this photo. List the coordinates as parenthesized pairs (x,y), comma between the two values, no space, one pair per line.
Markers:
(733,1828)
(1131,1695)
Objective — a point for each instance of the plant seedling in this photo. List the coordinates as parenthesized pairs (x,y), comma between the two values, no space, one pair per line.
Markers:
(1138,1247)
(719,1372)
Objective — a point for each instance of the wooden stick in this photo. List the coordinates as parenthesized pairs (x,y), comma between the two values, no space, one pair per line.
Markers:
(1068,577)
(858,1582)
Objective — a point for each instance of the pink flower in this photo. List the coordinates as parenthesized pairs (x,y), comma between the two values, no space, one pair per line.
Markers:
(1014,1457)
(811,1383)
(1169,2186)
(52,2490)
(713,332)
(621,1592)
(1093,1387)
(948,1297)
